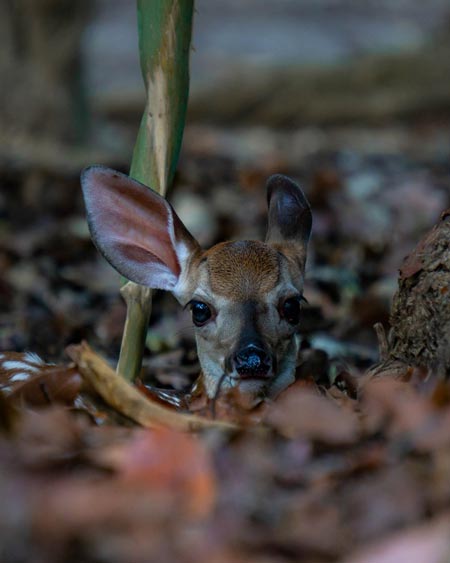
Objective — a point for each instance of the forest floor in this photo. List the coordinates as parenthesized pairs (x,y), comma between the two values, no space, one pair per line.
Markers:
(350,467)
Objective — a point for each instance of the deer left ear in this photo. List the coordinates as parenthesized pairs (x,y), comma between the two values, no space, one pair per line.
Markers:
(290,217)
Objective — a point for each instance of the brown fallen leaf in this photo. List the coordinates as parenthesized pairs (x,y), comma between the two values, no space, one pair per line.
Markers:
(170,398)
(314,525)
(8,415)
(100,514)
(163,459)
(424,544)
(394,405)
(440,393)
(232,405)
(384,500)
(300,413)
(434,434)
(48,438)
(127,400)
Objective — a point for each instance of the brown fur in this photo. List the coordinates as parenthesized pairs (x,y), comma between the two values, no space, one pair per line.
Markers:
(242,270)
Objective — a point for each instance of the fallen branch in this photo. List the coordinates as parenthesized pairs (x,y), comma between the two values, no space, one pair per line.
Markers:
(127,400)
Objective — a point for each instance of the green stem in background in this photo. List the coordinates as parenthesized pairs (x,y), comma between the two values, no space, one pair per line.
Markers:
(165,28)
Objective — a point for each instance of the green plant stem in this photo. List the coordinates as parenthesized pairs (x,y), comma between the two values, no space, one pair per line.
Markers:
(165,28)
(139,306)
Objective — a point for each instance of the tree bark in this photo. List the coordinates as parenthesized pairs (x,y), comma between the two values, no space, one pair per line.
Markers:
(420,314)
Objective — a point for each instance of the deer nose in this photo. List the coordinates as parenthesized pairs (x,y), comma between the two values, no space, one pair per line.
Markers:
(252,361)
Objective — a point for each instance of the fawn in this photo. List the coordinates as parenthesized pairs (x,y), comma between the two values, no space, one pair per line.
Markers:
(245,296)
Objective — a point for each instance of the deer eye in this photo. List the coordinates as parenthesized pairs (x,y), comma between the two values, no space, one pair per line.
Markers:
(290,310)
(201,313)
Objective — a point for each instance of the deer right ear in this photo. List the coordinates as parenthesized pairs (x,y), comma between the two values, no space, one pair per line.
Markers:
(136,229)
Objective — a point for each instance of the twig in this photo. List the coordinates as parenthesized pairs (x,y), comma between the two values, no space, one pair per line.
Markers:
(216,395)
(383,345)
(127,400)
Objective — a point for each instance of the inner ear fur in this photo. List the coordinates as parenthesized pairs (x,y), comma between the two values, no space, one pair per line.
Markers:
(135,228)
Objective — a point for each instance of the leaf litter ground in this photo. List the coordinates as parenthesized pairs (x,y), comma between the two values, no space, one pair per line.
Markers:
(344,466)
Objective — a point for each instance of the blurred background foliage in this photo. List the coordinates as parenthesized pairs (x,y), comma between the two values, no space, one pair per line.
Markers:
(70,70)
(350,98)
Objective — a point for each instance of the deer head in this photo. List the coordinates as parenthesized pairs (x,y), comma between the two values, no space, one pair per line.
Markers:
(245,296)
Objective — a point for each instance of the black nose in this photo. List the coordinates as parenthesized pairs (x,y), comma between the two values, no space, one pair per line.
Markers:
(252,361)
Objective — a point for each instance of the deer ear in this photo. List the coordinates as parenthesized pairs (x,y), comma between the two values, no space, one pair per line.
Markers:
(135,229)
(290,217)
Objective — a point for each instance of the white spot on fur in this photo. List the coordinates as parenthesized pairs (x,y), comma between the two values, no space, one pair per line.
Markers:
(21,376)
(11,365)
(33,358)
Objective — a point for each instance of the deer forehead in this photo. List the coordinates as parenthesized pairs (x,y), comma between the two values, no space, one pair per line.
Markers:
(243,269)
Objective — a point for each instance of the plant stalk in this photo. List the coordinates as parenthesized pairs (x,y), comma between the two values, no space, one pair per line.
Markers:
(165,29)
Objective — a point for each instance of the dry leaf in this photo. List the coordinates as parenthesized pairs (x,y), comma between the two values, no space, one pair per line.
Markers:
(303,414)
